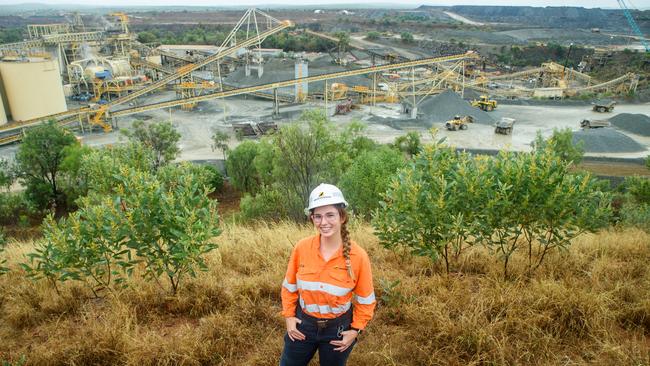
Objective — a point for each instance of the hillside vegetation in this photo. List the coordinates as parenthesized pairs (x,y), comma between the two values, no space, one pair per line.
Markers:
(590,304)
(518,258)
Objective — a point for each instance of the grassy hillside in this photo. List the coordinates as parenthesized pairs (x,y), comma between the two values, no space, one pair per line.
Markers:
(588,305)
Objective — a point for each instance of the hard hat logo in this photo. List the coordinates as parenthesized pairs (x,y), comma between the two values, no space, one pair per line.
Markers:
(324,195)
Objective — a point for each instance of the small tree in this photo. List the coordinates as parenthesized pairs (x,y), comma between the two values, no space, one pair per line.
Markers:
(39,161)
(161,137)
(368,177)
(372,35)
(561,144)
(220,142)
(344,41)
(164,222)
(100,168)
(535,201)
(410,143)
(241,169)
(6,175)
(407,37)
(170,223)
(431,205)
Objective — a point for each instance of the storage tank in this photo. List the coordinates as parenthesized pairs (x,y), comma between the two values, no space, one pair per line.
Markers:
(3,113)
(34,88)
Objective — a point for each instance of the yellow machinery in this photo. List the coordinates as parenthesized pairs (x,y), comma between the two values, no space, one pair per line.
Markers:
(485,103)
(338,91)
(459,123)
(366,96)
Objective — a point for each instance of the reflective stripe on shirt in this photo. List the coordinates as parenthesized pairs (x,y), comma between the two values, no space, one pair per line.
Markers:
(366,300)
(324,287)
(289,286)
(325,309)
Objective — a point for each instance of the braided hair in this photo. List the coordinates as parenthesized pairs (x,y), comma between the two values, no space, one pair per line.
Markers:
(345,236)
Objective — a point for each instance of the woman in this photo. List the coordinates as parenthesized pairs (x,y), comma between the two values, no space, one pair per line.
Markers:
(324,272)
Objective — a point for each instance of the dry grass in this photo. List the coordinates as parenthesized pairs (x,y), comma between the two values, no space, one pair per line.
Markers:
(590,305)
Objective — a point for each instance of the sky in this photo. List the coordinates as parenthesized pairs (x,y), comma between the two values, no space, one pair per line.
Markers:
(638,4)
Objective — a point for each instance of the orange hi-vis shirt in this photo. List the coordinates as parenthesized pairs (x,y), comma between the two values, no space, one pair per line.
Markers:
(324,289)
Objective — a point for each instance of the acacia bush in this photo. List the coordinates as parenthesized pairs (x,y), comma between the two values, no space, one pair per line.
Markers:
(443,200)
(537,202)
(431,206)
(164,221)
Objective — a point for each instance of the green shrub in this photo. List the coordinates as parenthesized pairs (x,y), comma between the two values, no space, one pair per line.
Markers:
(161,137)
(268,204)
(444,200)
(215,178)
(38,163)
(165,223)
(560,143)
(241,169)
(368,178)
(636,215)
(14,205)
(638,189)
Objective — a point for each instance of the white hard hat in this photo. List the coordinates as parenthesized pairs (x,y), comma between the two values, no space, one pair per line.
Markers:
(323,195)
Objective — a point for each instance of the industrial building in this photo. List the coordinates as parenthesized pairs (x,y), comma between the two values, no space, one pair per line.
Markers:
(88,79)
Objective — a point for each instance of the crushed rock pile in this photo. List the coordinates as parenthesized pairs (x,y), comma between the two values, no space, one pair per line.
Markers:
(606,140)
(446,105)
(635,123)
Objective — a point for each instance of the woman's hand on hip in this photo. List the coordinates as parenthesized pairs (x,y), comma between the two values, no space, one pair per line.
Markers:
(292,330)
(348,338)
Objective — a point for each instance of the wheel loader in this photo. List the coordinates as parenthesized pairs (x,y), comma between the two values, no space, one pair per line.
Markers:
(485,103)
(459,123)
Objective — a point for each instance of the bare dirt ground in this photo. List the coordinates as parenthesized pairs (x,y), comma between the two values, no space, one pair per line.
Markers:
(196,126)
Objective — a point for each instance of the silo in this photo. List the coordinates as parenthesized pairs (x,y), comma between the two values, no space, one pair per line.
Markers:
(3,113)
(34,88)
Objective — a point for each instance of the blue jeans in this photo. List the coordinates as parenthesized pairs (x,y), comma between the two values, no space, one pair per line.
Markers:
(299,353)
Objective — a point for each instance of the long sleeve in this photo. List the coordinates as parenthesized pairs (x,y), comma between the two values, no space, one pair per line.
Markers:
(364,303)
(289,292)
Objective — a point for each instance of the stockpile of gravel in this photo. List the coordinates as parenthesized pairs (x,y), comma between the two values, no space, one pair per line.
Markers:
(446,105)
(635,123)
(606,140)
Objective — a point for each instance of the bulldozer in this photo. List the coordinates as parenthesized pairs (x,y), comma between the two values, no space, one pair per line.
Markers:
(485,103)
(458,123)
